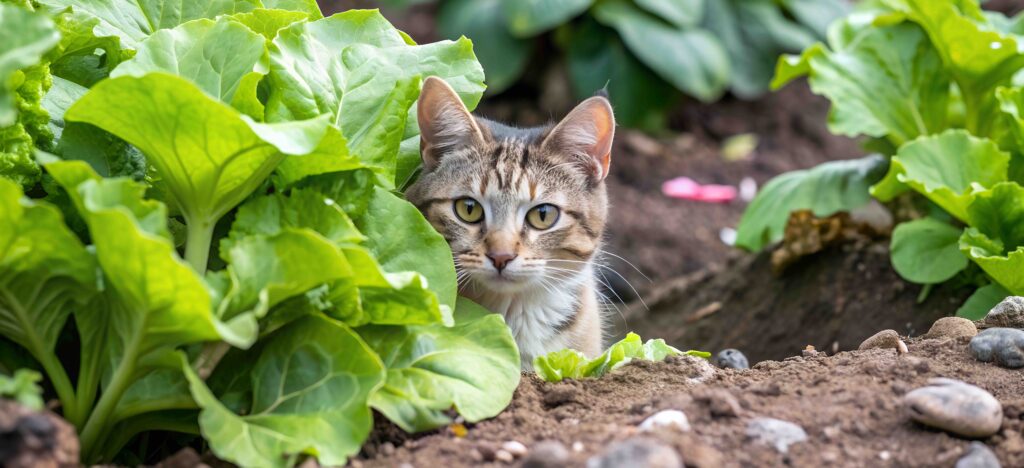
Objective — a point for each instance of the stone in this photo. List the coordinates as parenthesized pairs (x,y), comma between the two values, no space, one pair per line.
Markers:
(952,327)
(955,406)
(1004,346)
(1009,313)
(776,433)
(667,419)
(517,449)
(547,454)
(978,456)
(885,339)
(503,456)
(720,402)
(637,453)
(731,359)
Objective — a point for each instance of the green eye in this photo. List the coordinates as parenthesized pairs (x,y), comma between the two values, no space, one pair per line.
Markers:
(469,210)
(542,217)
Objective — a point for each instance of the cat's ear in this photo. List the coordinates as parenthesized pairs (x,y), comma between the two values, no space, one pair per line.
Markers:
(445,123)
(586,133)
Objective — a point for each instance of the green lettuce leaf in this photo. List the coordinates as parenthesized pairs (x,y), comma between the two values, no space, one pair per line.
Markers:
(977,56)
(223,58)
(571,364)
(692,60)
(268,22)
(402,240)
(472,367)
(948,169)
(995,240)
(883,81)
(210,156)
(927,251)
(359,69)
(23,387)
(982,301)
(76,58)
(826,189)
(45,273)
(308,386)
(25,36)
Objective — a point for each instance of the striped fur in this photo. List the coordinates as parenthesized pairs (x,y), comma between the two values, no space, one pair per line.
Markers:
(547,294)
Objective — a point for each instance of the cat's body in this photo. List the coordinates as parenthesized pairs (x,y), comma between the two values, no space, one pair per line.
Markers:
(523,211)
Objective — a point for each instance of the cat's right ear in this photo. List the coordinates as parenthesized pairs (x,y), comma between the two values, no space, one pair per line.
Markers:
(445,123)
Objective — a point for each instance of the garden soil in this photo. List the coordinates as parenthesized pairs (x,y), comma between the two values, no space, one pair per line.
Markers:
(849,404)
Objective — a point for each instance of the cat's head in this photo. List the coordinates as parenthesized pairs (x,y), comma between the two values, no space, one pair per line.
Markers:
(519,208)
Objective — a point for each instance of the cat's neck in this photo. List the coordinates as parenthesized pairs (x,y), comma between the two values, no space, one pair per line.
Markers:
(538,315)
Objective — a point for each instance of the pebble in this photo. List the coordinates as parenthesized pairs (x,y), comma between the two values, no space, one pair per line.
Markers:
(978,456)
(885,339)
(517,449)
(667,419)
(547,454)
(731,359)
(955,406)
(719,401)
(1009,313)
(503,456)
(952,327)
(637,453)
(775,432)
(1005,346)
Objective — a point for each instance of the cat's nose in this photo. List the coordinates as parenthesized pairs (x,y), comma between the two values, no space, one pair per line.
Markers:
(501,259)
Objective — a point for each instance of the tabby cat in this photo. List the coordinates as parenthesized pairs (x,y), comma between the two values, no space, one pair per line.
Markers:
(523,211)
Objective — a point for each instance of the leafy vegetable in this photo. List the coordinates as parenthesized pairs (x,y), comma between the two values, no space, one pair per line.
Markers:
(642,49)
(23,387)
(571,364)
(933,83)
(173,134)
(982,301)
(765,219)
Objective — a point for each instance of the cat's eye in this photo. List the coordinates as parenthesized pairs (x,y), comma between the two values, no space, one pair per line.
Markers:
(469,210)
(542,217)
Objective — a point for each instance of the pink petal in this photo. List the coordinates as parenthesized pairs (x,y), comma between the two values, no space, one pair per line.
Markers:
(717,193)
(688,189)
(680,187)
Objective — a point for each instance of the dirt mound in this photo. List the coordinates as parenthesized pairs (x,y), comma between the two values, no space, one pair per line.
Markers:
(832,300)
(848,404)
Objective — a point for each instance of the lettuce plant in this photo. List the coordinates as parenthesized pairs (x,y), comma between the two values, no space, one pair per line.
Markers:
(935,88)
(645,51)
(571,364)
(202,234)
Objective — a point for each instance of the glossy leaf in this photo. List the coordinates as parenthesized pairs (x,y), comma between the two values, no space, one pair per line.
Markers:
(982,301)
(927,251)
(527,18)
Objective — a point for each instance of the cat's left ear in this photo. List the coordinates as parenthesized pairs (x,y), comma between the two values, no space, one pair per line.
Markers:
(586,133)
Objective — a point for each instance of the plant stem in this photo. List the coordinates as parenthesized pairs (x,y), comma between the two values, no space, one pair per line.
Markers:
(124,376)
(197,247)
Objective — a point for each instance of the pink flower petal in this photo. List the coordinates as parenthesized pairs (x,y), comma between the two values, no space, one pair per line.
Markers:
(680,187)
(687,189)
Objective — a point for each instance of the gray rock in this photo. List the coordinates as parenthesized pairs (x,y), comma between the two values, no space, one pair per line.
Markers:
(731,359)
(885,339)
(1009,313)
(637,453)
(547,454)
(952,327)
(1005,346)
(775,432)
(978,456)
(955,406)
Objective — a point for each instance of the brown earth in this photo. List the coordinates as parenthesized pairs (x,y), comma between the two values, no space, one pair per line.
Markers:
(849,404)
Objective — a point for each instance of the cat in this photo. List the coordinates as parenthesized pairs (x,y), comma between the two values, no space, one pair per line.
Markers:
(523,211)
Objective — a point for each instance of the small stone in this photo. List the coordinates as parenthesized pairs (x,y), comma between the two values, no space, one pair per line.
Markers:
(952,327)
(731,359)
(577,446)
(517,449)
(955,406)
(775,432)
(978,456)
(1005,346)
(1009,313)
(637,453)
(387,448)
(885,339)
(547,454)
(560,394)
(668,419)
(719,401)
(503,456)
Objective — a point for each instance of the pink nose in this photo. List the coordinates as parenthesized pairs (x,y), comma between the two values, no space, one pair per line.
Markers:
(501,259)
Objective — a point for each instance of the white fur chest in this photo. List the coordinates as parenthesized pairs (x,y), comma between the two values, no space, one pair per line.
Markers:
(535,315)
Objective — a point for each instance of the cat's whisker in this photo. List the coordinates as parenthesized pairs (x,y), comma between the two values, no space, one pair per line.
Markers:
(606,284)
(627,262)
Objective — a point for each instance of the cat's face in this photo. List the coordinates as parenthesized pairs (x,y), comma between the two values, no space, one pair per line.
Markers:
(520,209)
